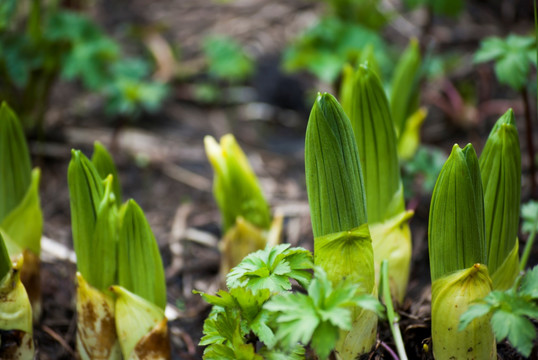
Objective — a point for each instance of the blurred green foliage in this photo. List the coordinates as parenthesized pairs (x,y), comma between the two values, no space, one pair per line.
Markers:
(226,59)
(364,12)
(423,168)
(512,56)
(438,7)
(40,42)
(325,48)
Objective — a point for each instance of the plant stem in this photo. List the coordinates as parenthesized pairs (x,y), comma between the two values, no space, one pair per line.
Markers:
(528,245)
(391,315)
(530,143)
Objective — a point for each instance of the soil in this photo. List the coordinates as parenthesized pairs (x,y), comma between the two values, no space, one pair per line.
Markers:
(163,166)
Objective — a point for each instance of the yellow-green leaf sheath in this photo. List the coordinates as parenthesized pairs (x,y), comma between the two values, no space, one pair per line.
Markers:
(96,328)
(15,313)
(451,296)
(142,327)
(391,240)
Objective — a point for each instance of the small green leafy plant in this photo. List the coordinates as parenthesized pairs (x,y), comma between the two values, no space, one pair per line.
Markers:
(246,217)
(43,41)
(261,318)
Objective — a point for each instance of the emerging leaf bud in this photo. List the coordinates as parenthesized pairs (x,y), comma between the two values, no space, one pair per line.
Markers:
(500,167)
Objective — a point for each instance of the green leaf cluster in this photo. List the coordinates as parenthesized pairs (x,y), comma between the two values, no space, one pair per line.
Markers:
(325,48)
(512,56)
(439,7)
(261,307)
(19,188)
(272,268)
(42,41)
(226,59)
(114,244)
(529,215)
(317,317)
(510,312)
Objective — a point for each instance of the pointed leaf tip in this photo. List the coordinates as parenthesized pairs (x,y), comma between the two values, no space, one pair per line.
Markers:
(333,174)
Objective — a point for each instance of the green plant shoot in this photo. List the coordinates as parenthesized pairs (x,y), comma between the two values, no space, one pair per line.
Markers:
(500,167)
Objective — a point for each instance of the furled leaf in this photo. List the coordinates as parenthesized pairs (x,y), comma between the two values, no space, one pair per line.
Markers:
(512,57)
(140,268)
(456,225)
(86,193)
(500,167)
(103,162)
(28,211)
(15,177)
(272,268)
(15,308)
(104,246)
(235,186)
(376,141)
(404,87)
(333,173)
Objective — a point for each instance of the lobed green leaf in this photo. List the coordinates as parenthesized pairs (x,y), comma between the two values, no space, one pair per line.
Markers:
(140,268)
(333,172)
(456,225)
(272,268)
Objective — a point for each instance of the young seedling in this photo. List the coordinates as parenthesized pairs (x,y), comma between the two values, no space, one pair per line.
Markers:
(261,318)
(16,339)
(342,242)
(245,213)
(374,132)
(20,210)
(458,258)
(94,218)
(500,168)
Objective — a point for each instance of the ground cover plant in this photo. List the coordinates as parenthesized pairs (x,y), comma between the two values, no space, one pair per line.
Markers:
(352,232)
